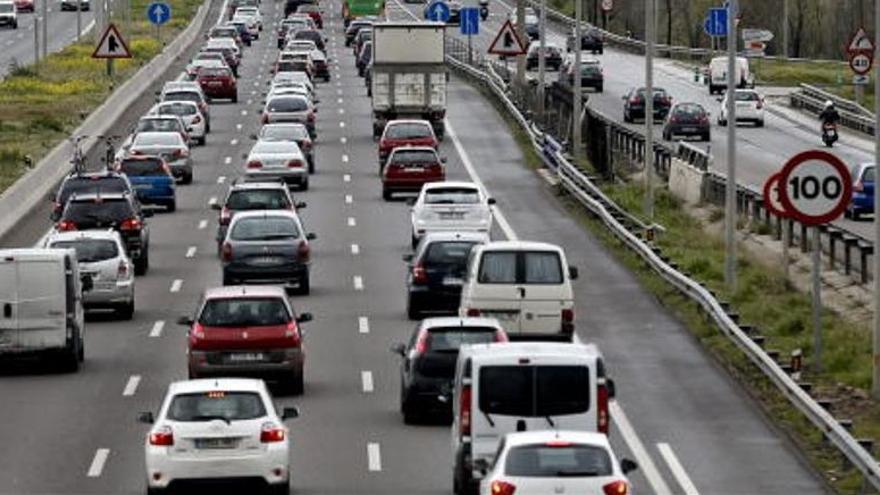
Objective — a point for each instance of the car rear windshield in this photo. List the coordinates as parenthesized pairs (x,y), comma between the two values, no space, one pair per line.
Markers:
(214,72)
(528,267)
(209,56)
(224,33)
(177,110)
(534,391)
(90,250)
(308,8)
(452,196)
(213,405)
(408,131)
(283,133)
(265,229)
(689,110)
(86,213)
(6,7)
(448,339)
(157,139)
(182,96)
(309,35)
(747,96)
(590,70)
(414,156)
(268,199)
(448,253)
(558,460)
(866,176)
(287,105)
(148,167)
(106,184)
(292,65)
(244,312)
(158,125)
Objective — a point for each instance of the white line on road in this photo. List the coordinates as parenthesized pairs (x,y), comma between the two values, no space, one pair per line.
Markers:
(352,222)
(367,381)
(363,324)
(341,110)
(176,285)
(677,469)
(348,199)
(244,112)
(131,386)
(227,160)
(339,91)
(203,224)
(238,127)
(98,462)
(358,282)
(346,178)
(233,142)
(374,457)
(646,464)
(344,158)
(339,100)
(355,249)
(343,140)
(191,252)
(221,179)
(212,201)
(156,331)
(342,125)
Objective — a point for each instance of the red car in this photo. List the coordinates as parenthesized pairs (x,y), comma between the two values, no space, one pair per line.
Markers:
(313,11)
(247,331)
(24,5)
(408,168)
(218,82)
(405,132)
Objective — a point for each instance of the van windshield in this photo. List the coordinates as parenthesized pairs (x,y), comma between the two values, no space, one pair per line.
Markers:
(526,267)
(534,391)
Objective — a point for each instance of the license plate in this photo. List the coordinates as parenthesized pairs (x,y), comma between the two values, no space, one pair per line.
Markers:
(451,215)
(502,315)
(265,260)
(246,357)
(215,83)
(452,281)
(216,443)
(141,187)
(688,129)
(414,170)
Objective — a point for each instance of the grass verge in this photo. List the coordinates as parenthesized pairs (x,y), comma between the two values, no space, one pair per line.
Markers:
(41,104)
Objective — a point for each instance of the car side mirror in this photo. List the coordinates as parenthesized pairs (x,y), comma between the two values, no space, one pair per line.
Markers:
(573,272)
(482,465)
(628,466)
(300,205)
(146,417)
(612,388)
(87,282)
(407,258)
(185,321)
(254,137)
(304,318)
(289,413)
(491,201)
(311,236)
(399,348)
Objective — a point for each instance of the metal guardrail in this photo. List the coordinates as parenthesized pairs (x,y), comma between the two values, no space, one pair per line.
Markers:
(588,194)
(852,115)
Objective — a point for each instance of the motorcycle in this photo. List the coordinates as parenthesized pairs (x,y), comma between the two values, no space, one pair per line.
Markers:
(484,9)
(829,134)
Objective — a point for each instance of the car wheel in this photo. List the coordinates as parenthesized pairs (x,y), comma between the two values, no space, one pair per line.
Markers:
(304,185)
(187,179)
(386,194)
(722,123)
(599,88)
(305,285)
(311,166)
(855,214)
(126,310)
(412,311)
(202,140)
(280,489)
(410,416)
(71,358)
(235,98)
(171,207)
(228,280)
(156,491)
(706,137)
(414,241)
(759,123)
(667,136)
(627,117)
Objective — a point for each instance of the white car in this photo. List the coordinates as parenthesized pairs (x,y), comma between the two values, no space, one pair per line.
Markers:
(293,77)
(749,107)
(189,112)
(297,45)
(252,12)
(277,160)
(552,461)
(101,255)
(451,206)
(216,429)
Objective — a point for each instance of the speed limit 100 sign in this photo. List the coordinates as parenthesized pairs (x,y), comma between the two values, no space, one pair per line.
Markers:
(815,187)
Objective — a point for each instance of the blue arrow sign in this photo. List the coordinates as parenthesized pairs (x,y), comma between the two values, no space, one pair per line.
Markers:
(470,21)
(438,11)
(716,22)
(158,13)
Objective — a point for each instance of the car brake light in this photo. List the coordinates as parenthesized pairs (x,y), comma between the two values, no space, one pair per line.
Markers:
(271,433)
(66,225)
(306,144)
(295,164)
(464,408)
(502,488)
(558,444)
(419,274)
(635,99)
(198,332)
(130,224)
(602,419)
(197,119)
(122,270)
(501,336)
(162,437)
(421,346)
(858,186)
(265,119)
(226,252)
(618,487)
(759,105)
(473,312)
(303,251)
(292,332)
(225,215)
(180,153)
(254,164)
(311,117)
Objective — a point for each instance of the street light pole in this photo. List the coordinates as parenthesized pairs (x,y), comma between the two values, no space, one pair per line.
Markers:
(784,28)
(649,108)
(521,59)
(730,187)
(45,26)
(542,61)
(875,382)
(576,81)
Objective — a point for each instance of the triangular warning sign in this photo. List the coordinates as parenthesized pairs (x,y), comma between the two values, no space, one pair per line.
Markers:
(507,41)
(860,42)
(111,45)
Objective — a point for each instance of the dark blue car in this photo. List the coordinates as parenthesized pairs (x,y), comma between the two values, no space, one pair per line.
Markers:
(152,180)
(863,190)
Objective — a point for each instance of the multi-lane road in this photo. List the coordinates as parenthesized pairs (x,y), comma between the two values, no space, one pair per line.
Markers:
(691,428)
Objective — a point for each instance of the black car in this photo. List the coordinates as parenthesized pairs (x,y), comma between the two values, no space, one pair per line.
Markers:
(428,366)
(105,182)
(117,211)
(591,75)
(591,41)
(362,37)
(364,58)
(352,30)
(290,6)
(634,104)
(311,35)
(552,57)
(687,119)
(454,13)
(436,271)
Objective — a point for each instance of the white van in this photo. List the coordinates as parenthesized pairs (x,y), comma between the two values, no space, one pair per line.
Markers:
(718,74)
(524,285)
(41,308)
(502,388)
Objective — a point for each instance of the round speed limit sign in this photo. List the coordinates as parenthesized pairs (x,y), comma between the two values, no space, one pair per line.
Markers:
(815,187)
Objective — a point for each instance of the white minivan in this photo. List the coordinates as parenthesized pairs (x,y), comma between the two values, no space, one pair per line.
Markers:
(502,388)
(718,74)
(524,285)
(41,308)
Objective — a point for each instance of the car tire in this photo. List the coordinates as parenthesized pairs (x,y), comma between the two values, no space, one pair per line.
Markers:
(304,185)
(71,357)
(667,136)
(235,98)
(171,206)
(706,137)
(202,140)
(228,280)
(410,416)
(722,123)
(142,264)
(386,194)
(305,285)
(311,166)
(759,123)
(412,310)
(187,179)
(125,311)
(627,118)
(414,241)
(156,491)
(855,214)
(279,489)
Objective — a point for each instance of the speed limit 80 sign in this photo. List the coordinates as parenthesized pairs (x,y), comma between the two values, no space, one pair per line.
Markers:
(814,187)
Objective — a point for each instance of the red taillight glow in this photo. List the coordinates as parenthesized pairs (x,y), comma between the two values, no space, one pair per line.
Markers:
(226,252)
(254,164)
(225,216)
(464,408)
(311,117)
(303,251)
(473,312)
(198,331)
(618,487)
(419,274)
(421,346)
(502,488)
(66,226)
(558,444)
(306,144)
(271,433)
(501,336)
(295,164)
(292,333)
(602,419)
(122,269)
(759,105)
(130,224)
(162,437)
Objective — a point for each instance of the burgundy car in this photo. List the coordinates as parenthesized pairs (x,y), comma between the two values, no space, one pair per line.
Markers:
(218,82)
(24,5)
(405,132)
(409,168)
(314,11)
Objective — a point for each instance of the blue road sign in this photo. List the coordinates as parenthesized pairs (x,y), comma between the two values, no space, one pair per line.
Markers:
(438,11)
(470,21)
(158,13)
(716,22)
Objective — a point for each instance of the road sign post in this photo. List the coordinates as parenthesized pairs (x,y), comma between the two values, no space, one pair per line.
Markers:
(111,46)
(730,215)
(860,52)
(158,13)
(875,372)
(470,25)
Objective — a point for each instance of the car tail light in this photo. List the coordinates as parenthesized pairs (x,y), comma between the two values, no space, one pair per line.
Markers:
(303,251)
(759,105)
(311,117)
(419,274)
(226,252)
(421,346)
(122,269)
(567,321)
(198,331)
(859,186)
(254,164)
(292,333)
(271,433)
(501,336)
(295,164)
(225,215)
(197,119)
(306,144)
(502,488)
(66,225)
(602,418)
(130,224)
(180,153)
(464,410)
(162,437)
(618,487)
(473,312)
(635,99)
(136,152)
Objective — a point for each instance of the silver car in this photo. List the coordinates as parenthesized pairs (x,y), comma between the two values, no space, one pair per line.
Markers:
(290,131)
(189,112)
(290,108)
(168,145)
(277,161)
(102,256)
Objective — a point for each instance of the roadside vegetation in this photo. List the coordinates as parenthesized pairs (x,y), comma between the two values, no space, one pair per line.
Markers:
(41,104)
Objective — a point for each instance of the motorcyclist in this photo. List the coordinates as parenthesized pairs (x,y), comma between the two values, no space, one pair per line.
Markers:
(829,115)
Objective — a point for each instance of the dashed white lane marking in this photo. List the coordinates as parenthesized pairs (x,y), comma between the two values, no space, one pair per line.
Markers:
(339,100)
(352,222)
(227,160)
(646,464)
(339,91)
(346,178)
(355,249)
(344,158)
(338,84)
(221,179)
(212,201)
(97,466)
(131,385)
(348,199)
(191,252)
(342,125)
(367,381)
(363,324)
(374,457)
(250,101)
(238,127)
(253,91)
(343,140)
(677,469)
(243,112)
(203,224)
(233,142)
(156,331)
(358,282)
(176,285)
(341,110)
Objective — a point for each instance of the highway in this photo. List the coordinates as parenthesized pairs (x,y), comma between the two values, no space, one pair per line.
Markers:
(691,428)
(18,44)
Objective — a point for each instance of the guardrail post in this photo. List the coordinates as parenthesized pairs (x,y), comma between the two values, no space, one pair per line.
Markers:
(865,250)
(805,238)
(848,243)
(834,235)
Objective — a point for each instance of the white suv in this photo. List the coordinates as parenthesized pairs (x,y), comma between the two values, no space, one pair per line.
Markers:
(101,255)
(214,429)
(8,15)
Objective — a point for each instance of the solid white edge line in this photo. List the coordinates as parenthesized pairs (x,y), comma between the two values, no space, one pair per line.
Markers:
(158,326)
(212,201)
(646,464)
(97,465)
(131,385)
(367,381)
(363,324)
(677,469)
(176,285)
(374,457)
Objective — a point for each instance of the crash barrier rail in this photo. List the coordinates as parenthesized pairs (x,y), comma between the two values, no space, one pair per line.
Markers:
(854,452)
(31,190)
(852,115)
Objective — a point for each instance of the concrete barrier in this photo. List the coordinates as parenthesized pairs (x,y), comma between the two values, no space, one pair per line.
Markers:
(686,181)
